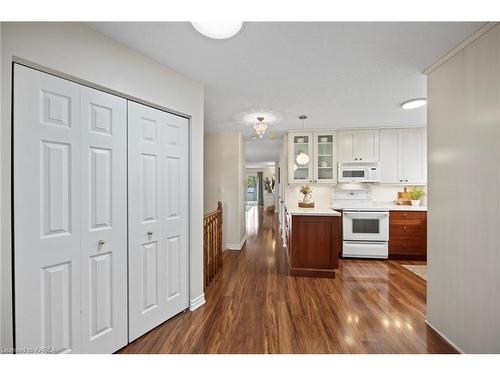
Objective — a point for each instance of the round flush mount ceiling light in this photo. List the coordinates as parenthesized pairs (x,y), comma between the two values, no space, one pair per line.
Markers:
(218,30)
(414,103)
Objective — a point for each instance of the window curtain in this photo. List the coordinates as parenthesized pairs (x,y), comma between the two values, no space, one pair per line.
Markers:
(260,189)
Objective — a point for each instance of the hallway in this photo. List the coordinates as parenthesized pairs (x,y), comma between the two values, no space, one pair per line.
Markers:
(254,307)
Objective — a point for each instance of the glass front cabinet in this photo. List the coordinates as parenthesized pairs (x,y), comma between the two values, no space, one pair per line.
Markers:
(312,157)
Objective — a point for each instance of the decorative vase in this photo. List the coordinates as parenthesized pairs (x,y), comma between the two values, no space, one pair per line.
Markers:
(415,202)
(307,198)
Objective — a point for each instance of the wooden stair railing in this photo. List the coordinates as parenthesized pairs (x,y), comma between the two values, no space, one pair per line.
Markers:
(212,243)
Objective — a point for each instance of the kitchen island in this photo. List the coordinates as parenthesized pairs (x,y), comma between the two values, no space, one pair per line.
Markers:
(313,241)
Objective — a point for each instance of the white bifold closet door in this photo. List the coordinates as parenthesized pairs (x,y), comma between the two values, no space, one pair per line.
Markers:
(70,215)
(158,217)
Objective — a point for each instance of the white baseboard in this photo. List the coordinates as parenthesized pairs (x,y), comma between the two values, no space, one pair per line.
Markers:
(444,337)
(232,246)
(197,302)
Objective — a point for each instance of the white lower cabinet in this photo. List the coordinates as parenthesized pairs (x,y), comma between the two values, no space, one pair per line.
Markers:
(403,156)
(70,216)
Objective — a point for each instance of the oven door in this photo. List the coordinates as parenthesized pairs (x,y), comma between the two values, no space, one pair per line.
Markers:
(365,226)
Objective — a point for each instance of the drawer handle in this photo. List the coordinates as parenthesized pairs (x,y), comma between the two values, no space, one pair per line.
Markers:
(405,228)
(404,214)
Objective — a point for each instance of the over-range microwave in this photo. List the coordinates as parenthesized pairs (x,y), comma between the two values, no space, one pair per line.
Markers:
(359,171)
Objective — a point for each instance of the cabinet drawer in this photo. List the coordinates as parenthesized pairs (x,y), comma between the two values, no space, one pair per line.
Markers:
(408,215)
(407,246)
(410,231)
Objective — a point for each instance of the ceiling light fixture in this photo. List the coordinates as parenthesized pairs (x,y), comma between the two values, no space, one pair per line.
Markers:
(260,127)
(218,30)
(302,158)
(414,103)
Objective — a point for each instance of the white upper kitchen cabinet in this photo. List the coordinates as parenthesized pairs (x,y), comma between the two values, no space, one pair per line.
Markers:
(391,156)
(415,155)
(358,145)
(300,143)
(403,156)
(324,167)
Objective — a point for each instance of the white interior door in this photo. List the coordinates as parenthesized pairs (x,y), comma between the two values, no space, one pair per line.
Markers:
(69,192)
(47,195)
(104,221)
(158,226)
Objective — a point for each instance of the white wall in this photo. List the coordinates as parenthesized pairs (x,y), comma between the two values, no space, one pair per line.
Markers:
(463,287)
(224,181)
(75,50)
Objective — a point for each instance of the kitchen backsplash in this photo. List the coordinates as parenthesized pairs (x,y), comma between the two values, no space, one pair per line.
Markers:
(323,195)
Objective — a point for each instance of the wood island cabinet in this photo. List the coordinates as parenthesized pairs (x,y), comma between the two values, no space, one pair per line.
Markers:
(408,235)
(313,245)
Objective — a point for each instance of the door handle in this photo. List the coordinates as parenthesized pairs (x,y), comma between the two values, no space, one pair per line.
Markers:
(150,233)
(101,242)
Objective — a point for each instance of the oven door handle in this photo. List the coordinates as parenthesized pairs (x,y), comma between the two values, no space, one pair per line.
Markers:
(365,214)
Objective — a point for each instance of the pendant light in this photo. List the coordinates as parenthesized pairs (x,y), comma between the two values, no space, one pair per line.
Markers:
(260,127)
(302,158)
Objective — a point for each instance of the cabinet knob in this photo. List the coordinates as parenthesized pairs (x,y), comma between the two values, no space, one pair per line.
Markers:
(101,242)
(355,158)
(404,244)
(150,233)
(360,158)
(404,214)
(404,228)
(400,180)
(406,180)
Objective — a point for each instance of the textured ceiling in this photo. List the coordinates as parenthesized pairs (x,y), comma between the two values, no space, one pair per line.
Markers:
(341,74)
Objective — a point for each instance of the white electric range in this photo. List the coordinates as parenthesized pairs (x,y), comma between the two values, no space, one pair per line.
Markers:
(365,225)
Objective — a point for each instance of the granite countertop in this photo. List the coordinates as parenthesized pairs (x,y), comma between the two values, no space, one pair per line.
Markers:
(315,211)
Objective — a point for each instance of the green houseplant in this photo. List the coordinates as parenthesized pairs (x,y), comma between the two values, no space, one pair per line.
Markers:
(417,193)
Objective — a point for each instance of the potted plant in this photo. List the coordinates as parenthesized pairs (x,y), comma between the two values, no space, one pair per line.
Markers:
(269,185)
(306,191)
(416,195)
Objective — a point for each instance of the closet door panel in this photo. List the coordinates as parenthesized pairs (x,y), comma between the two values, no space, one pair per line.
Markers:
(47,195)
(104,221)
(146,246)
(157,217)
(175,166)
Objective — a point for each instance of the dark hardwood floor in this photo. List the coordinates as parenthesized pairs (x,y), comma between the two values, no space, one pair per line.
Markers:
(253,306)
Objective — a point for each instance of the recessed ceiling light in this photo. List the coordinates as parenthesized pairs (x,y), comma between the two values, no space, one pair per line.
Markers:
(218,30)
(414,103)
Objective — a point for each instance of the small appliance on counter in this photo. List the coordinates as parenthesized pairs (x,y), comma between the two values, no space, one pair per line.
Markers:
(365,227)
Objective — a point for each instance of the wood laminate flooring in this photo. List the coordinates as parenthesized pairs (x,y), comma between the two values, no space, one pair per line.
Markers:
(254,306)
